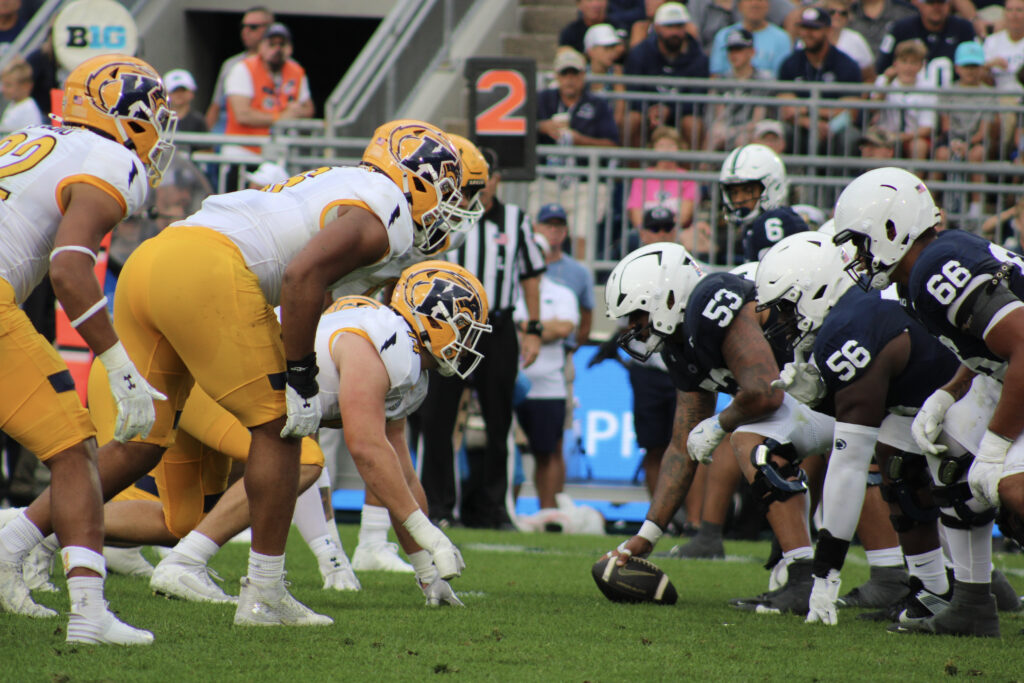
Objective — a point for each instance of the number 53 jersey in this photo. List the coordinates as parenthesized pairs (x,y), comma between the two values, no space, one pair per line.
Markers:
(36,165)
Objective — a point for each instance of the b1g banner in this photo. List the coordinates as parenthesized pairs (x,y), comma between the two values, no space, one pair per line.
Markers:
(503,112)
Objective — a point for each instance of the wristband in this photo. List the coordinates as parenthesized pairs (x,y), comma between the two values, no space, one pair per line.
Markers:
(535,327)
(651,532)
(302,375)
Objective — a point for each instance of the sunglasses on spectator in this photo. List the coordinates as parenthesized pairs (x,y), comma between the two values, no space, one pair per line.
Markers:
(841,12)
(254,27)
(660,227)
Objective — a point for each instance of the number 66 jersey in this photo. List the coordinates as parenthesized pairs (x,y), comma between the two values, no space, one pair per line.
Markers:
(36,165)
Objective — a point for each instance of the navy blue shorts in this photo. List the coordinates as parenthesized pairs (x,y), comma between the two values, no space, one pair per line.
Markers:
(654,406)
(543,420)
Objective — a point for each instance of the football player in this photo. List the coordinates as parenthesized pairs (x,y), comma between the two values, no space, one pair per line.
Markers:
(755,190)
(197,302)
(876,365)
(63,189)
(709,335)
(967,292)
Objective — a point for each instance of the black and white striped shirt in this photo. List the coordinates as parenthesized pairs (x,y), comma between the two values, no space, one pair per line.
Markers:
(503,236)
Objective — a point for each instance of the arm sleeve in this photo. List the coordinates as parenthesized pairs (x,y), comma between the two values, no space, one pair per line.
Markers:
(846,478)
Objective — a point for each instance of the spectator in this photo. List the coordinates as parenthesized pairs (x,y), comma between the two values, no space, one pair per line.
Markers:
(501,252)
(874,18)
(181,91)
(669,52)
(266,174)
(711,16)
(912,115)
(850,40)
(877,143)
(21,109)
(565,270)
(12,20)
(817,61)
(254,24)
(572,116)
(604,50)
(44,74)
(267,87)
(542,415)
(735,119)
(641,28)
(940,33)
(1004,51)
(771,43)
(1007,226)
(678,195)
(590,13)
(772,134)
(969,133)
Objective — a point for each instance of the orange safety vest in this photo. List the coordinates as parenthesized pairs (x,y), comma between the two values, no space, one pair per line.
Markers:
(267,97)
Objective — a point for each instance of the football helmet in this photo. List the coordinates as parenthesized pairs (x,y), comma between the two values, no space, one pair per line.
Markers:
(753,163)
(475,175)
(802,277)
(747,271)
(446,306)
(657,278)
(124,99)
(424,163)
(881,213)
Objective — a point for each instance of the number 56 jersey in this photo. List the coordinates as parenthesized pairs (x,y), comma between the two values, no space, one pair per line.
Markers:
(36,165)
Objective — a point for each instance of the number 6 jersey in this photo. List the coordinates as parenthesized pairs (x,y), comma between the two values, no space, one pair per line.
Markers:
(36,165)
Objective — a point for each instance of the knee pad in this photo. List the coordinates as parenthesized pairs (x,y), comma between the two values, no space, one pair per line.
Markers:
(908,474)
(1011,525)
(771,482)
(956,497)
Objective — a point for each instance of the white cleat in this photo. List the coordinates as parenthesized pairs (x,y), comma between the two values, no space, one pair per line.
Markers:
(340,577)
(381,557)
(439,593)
(7,514)
(36,569)
(107,630)
(14,595)
(192,582)
(274,606)
(127,561)
(448,561)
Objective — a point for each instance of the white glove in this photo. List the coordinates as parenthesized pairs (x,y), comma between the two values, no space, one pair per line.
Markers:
(822,605)
(303,414)
(443,552)
(987,468)
(928,422)
(704,439)
(439,593)
(803,382)
(133,394)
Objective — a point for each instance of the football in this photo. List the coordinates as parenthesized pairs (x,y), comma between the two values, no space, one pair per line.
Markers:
(636,581)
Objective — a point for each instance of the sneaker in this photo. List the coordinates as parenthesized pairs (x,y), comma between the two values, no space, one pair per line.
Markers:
(192,582)
(127,561)
(36,569)
(699,548)
(381,557)
(14,595)
(968,614)
(439,593)
(107,630)
(274,606)
(793,598)
(886,585)
(1007,599)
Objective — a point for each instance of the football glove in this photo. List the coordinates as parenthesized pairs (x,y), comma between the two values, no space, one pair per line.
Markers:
(704,439)
(822,605)
(133,394)
(803,382)
(927,423)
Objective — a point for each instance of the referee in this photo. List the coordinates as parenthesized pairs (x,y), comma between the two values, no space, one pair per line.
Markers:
(501,252)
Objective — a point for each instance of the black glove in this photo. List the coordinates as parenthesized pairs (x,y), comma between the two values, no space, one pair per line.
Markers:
(608,350)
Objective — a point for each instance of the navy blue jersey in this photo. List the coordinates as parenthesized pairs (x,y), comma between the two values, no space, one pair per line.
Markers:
(857,329)
(943,282)
(768,228)
(697,363)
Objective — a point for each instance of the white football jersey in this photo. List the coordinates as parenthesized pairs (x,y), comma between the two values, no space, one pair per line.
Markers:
(36,164)
(394,341)
(271,225)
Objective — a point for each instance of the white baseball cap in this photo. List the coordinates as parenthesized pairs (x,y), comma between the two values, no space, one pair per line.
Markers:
(179,78)
(568,58)
(600,35)
(671,13)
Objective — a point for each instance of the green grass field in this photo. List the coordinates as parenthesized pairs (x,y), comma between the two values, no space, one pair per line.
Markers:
(533,613)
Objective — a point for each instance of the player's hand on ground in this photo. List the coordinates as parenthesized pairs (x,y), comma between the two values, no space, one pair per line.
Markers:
(822,604)
(927,423)
(638,546)
(439,593)
(132,393)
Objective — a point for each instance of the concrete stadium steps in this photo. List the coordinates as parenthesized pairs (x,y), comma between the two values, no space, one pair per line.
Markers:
(539,24)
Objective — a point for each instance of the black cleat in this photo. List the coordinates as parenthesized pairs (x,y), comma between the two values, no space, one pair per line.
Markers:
(698,548)
(887,585)
(791,598)
(1006,597)
(972,612)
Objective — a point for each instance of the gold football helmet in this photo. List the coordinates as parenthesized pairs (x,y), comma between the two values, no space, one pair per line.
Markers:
(475,174)
(123,98)
(446,306)
(424,163)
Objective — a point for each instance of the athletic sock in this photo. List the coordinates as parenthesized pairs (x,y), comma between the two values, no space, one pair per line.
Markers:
(374,524)
(17,537)
(195,548)
(930,568)
(265,569)
(885,557)
(804,553)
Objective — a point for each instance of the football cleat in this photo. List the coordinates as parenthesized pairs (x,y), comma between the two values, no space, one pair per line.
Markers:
(273,605)
(886,586)
(36,568)
(1006,597)
(699,548)
(379,557)
(14,595)
(107,630)
(192,582)
(967,615)
(922,604)
(439,593)
(127,561)
(792,598)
